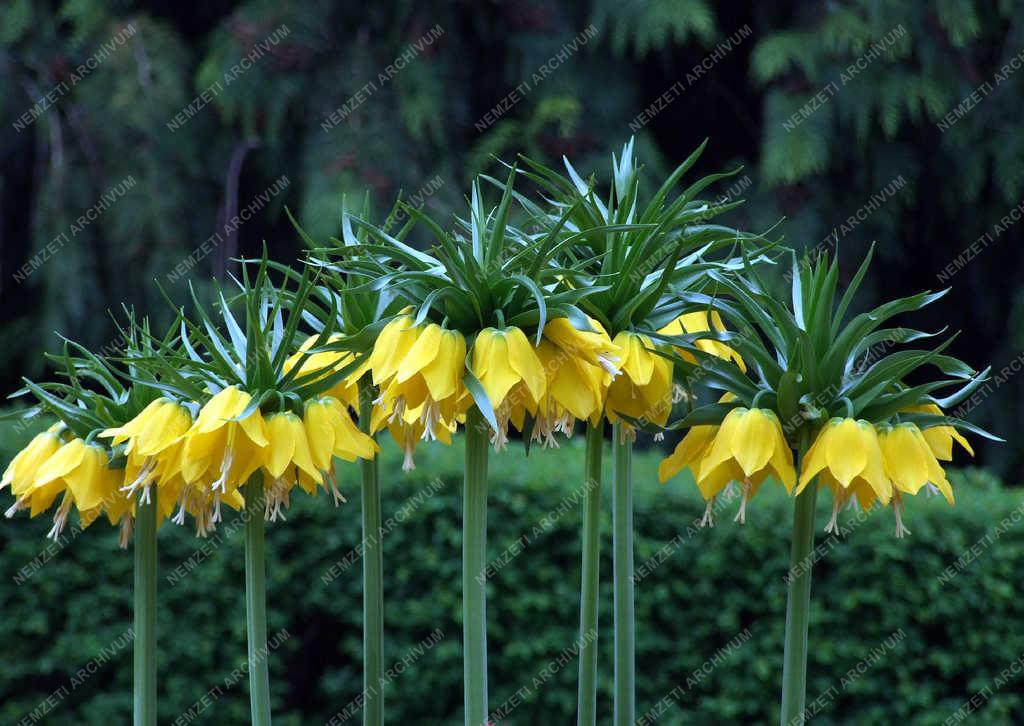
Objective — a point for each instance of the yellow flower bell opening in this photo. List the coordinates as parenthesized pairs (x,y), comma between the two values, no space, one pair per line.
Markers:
(511,375)
(643,390)
(748,447)
(846,457)
(911,465)
(420,369)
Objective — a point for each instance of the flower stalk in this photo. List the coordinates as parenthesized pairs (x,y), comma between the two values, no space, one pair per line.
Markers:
(794,665)
(373,572)
(591,572)
(622,545)
(474,583)
(256,601)
(145,611)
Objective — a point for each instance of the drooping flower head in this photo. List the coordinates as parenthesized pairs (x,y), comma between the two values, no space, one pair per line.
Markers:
(838,390)
(71,460)
(911,465)
(639,255)
(643,388)
(488,289)
(512,376)
(251,376)
(847,457)
(747,448)
(420,368)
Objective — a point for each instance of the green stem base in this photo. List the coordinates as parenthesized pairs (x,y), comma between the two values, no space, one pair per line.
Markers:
(474,583)
(256,601)
(373,573)
(622,545)
(590,579)
(144,655)
(794,659)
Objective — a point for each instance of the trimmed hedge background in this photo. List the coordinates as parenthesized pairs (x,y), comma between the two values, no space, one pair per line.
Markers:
(892,638)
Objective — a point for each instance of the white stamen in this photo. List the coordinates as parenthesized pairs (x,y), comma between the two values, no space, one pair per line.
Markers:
(499,437)
(708,520)
(430,417)
(142,478)
(276,501)
(225,469)
(60,519)
(608,362)
(833,524)
(16,507)
(332,486)
(660,436)
(741,515)
(398,411)
(179,517)
(901,529)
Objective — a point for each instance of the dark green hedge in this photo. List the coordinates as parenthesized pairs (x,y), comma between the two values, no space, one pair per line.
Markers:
(710,609)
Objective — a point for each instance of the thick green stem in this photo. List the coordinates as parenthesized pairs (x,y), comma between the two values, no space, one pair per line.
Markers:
(256,601)
(591,576)
(145,611)
(474,582)
(794,663)
(373,574)
(622,545)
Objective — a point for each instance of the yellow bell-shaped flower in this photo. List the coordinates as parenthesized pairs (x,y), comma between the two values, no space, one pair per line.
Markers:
(643,388)
(511,375)
(155,439)
(222,450)
(591,346)
(427,379)
(81,470)
(941,438)
(699,322)
(580,365)
(21,472)
(574,391)
(846,456)
(748,447)
(391,347)
(287,462)
(910,462)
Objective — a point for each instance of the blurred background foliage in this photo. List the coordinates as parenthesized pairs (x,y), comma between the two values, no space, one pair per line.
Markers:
(873,158)
(890,641)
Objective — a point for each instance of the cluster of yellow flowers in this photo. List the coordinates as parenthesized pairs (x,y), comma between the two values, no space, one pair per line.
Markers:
(566,377)
(195,464)
(860,463)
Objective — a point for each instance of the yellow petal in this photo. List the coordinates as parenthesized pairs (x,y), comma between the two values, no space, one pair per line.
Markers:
(443,375)
(282,433)
(846,452)
(753,442)
(816,458)
(687,453)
